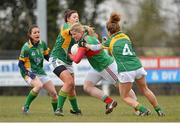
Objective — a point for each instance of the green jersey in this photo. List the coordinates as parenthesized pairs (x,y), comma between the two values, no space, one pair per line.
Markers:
(99,60)
(121,48)
(63,44)
(33,57)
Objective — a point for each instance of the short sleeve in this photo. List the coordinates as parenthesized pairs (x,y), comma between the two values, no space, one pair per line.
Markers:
(24,53)
(46,49)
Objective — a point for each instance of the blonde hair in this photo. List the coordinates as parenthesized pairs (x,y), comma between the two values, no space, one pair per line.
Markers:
(77,27)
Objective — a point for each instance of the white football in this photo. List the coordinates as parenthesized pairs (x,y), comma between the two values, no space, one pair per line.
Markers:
(74,49)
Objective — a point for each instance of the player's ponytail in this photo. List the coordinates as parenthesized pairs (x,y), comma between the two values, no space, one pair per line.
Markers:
(90,31)
(113,23)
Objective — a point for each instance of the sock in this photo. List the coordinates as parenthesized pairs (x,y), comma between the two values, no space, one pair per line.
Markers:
(157,108)
(141,108)
(61,99)
(31,96)
(107,99)
(73,102)
(54,104)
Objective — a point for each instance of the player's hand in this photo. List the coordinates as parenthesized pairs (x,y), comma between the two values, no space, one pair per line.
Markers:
(104,39)
(31,74)
(71,56)
(83,44)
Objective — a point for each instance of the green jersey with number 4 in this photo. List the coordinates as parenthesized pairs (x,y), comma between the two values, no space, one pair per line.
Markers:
(121,48)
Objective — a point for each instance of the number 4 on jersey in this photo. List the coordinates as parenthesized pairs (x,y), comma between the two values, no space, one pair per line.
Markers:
(126,50)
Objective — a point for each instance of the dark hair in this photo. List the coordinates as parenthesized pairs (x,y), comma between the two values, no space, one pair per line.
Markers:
(30,30)
(113,24)
(68,13)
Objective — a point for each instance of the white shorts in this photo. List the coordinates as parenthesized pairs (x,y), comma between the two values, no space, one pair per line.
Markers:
(131,76)
(108,75)
(43,78)
(53,63)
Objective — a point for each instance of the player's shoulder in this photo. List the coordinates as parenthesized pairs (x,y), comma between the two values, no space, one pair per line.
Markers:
(41,42)
(91,39)
(26,46)
(65,26)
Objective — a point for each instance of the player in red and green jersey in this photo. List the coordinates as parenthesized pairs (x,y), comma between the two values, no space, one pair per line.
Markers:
(31,58)
(129,66)
(61,64)
(103,66)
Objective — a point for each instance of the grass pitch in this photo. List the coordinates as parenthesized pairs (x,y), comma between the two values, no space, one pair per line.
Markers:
(92,108)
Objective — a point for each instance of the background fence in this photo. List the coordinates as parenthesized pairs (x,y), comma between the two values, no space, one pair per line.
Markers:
(163,75)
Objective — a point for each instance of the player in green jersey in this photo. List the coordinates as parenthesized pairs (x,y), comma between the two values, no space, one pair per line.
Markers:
(31,58)
(103,66)
(129,66)
(61,64)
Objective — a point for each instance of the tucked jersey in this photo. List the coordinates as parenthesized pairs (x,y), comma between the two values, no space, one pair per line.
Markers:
(33,57)
(63,44)
(99,60)
(121,48)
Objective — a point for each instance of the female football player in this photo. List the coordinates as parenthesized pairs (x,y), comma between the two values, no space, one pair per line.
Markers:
(31,58)
(61,64)
(129,66)
(103,66)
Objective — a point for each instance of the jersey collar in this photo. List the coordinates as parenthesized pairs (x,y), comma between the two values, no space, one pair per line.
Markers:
(30,45)
(115,34)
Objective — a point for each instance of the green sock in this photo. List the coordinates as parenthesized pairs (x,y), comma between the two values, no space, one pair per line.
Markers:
(31,96)
(61,99)
(73,102)
(141,108)
(157,108)
(104,97)
(54,104)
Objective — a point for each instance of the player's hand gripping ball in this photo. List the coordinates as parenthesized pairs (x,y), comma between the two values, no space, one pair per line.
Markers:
(74,49)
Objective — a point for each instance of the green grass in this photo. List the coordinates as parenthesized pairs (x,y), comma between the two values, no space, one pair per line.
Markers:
(92,108)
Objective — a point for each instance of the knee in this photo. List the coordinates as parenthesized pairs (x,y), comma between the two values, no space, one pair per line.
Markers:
(39,86)
(144,90)
(70,84)
(53,94)
(123,97)
(86,87)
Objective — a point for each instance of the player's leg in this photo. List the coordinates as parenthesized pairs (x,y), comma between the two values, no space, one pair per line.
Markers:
(68,85)
(60,69)
(49,86)
(92,78)
(124,89)
(149,95)
(73,100)
(74,103)
(110,74)
(37,85)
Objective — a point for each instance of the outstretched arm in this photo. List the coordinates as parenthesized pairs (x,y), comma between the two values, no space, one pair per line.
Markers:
(94,47)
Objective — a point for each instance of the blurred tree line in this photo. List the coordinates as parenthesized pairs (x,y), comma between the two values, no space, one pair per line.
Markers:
(17,15)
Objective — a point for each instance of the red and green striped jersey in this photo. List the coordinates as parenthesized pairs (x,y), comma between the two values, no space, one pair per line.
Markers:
(99,60)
